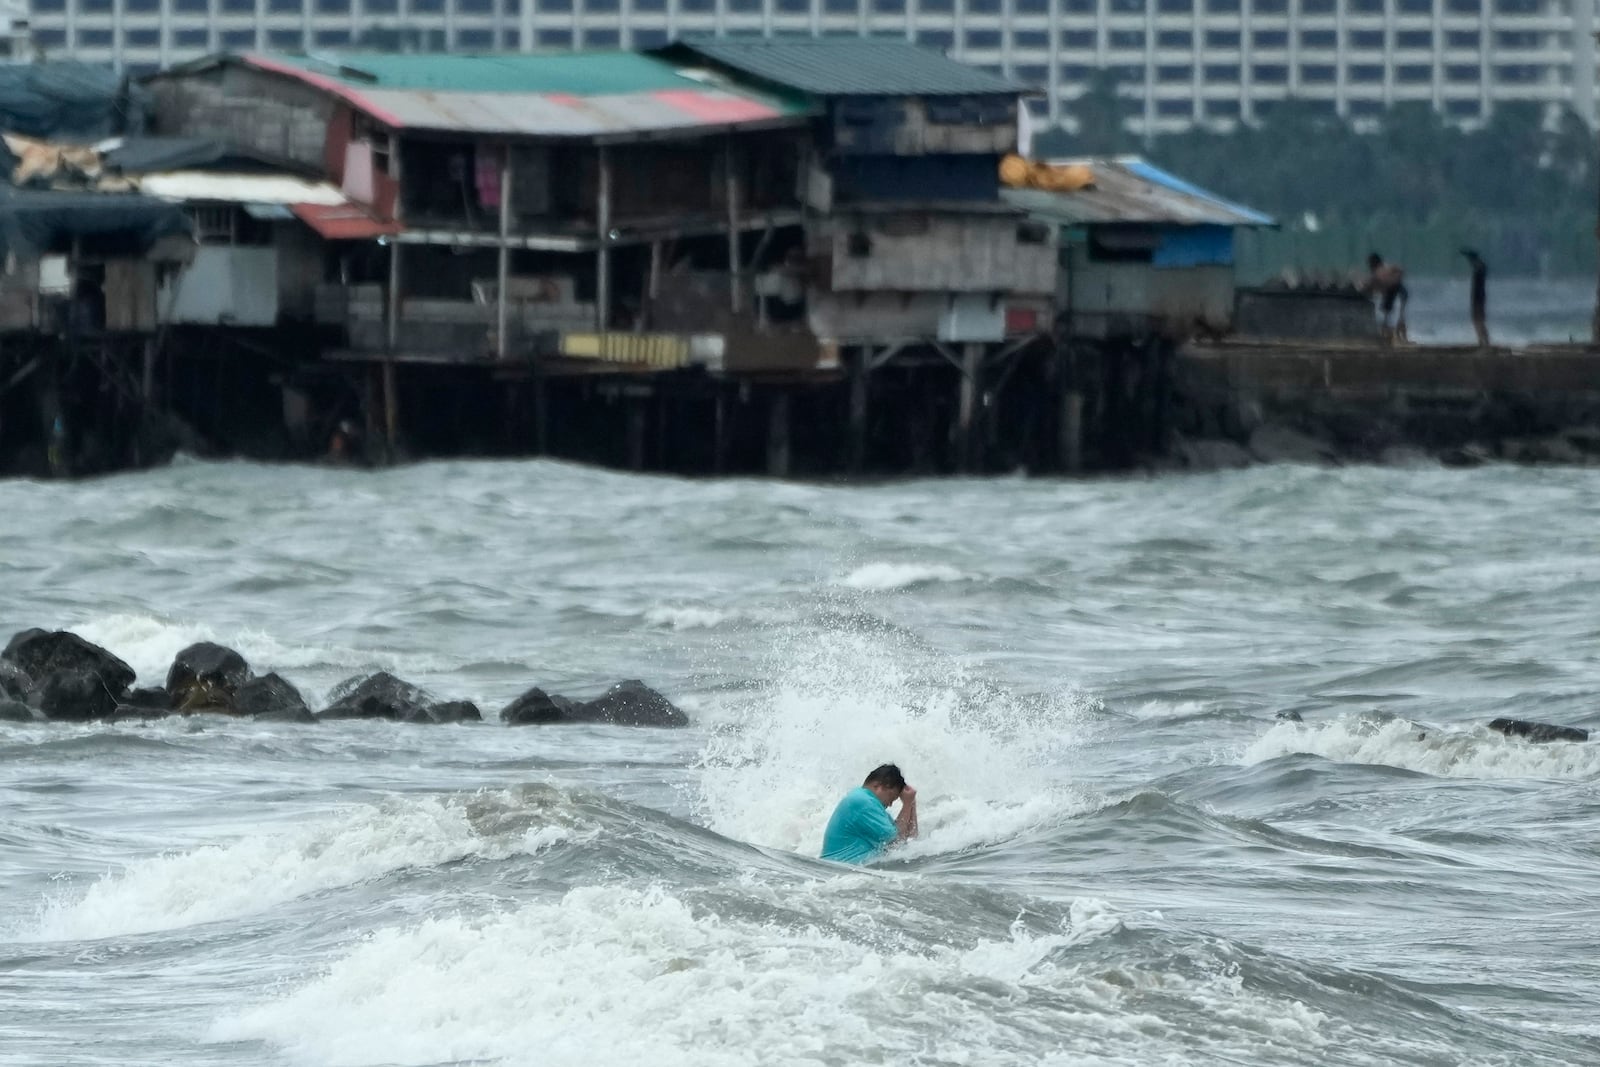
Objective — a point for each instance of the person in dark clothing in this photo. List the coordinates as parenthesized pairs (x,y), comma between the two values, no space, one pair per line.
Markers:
(1480,296)
(1386,281)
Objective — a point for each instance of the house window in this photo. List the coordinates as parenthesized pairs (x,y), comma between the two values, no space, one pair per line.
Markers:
(1271,73)
(192,39)
(333,38)
(1319,39)
(555,38)
(473,40)
(1366,73)
(937,39)
(602,39)
(1174,74)
(1077,39)
(1181,39)
(1320,74)
(1366,39)
(1414,39)
(1222,38)
(1413,74)
(1222,73)
(143,38)
(285,39)
(1271,38)
(1128,39)
(1463,38)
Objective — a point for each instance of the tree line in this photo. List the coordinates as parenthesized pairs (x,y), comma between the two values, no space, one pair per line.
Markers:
(1520,188)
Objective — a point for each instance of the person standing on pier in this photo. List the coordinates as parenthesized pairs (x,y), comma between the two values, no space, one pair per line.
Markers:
(1480,296)
(1388,282)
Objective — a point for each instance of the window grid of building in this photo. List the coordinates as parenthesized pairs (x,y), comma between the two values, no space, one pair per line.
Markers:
(1184,61)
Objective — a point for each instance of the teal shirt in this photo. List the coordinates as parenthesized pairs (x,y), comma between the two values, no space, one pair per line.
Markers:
(859,829)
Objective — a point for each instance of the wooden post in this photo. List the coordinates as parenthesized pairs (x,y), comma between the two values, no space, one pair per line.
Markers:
(541,413)
(602,278)
(501,318)
(730,172)
(1070,429)
(392,325)
(654,291)
(719,441)
(147,380)
(637,414)
(859,372)
(966,438)
(778,436)
(391,408)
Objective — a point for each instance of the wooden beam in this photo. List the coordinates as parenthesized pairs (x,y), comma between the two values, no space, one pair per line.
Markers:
(778,454)
(602,287)
(504,265)
(860,372)
(735,271)
(966,438)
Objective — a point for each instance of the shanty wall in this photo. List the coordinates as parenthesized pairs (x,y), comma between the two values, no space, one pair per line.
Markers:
(918,252)
(1106,298)
(259,111)
(870,125)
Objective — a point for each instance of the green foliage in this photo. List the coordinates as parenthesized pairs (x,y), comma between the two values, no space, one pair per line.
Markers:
(1416,188)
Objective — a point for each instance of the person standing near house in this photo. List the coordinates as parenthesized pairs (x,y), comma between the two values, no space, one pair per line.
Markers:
(1480,296)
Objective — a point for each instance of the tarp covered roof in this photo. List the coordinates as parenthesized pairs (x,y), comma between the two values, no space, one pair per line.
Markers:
(62,100)
(581,95)
(34,222)
(1130,190)
(846,66)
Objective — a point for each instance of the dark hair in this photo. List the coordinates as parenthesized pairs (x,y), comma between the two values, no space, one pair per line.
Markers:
(887,774)
(1374,259)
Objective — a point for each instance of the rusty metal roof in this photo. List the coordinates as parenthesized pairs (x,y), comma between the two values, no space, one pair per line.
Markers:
(1133,191)
(847,66)
(582,95)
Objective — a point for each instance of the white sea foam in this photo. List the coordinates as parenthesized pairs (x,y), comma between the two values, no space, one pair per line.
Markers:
(611,975)
(883,577)
(148,643)
(257,872)
(686,617)
(986,767)
(1455,752)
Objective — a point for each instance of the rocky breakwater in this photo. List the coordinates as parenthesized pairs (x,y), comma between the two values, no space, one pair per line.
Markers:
(58,676)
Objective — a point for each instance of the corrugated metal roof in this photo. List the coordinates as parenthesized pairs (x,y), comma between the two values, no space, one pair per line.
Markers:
(1132,190)
(570,95)
(187,185)
(344,222)
(848,66)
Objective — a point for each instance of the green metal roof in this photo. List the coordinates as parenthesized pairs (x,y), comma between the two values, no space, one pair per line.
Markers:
(847,66)
(577,73)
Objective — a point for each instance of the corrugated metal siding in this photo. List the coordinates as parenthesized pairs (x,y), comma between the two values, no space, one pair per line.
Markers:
(848,66)
(555,115)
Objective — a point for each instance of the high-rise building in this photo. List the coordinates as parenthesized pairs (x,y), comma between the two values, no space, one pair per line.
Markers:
(1211,61)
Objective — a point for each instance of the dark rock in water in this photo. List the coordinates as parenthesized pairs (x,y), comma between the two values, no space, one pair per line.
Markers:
(1289,716)
(1279,444)
(147,703)
(1538,731)
(271,697)
(75,695)
(631,703)
(14,683)
(379,696)
(455,711)
(15,711)
(41,653)
(204,677)
(153,697)
(536,707)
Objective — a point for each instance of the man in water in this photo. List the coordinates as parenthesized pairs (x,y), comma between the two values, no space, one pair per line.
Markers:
(1480,296)
(1387,280)
(861,827)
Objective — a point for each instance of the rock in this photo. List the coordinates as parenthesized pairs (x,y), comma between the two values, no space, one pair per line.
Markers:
(14,684)
(1212,455)
(455,711)
(1289,715)
(1279,444)
(378,696)
(272,698)
(204,677)
(41,653)
(75,695)
(1465,456)
(631,703)
(1405,456)
(536,707)
(15,711)
(153,697)
(1538,731)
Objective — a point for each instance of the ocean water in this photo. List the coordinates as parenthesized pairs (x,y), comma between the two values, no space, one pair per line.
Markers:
(1126,858)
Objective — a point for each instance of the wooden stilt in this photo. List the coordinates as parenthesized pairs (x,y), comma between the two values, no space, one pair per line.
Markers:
(778,455)
(1070,446)
(391,409)
(638,418)
(719,442)
(602,268)
(967,440)
(860,370)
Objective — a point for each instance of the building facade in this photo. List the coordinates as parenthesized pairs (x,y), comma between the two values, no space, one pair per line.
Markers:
(1186,61)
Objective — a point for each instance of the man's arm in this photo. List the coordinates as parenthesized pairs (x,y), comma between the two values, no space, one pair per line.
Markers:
(905,823)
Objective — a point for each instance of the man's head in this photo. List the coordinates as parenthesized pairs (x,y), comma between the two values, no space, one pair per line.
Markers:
(1471,254)
(1374,261)
(886,783)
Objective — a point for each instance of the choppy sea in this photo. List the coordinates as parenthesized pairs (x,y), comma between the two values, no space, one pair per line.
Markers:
(1127,857)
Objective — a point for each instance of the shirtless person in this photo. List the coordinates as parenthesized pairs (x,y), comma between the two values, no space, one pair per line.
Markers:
(1387,281)
(861,828)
